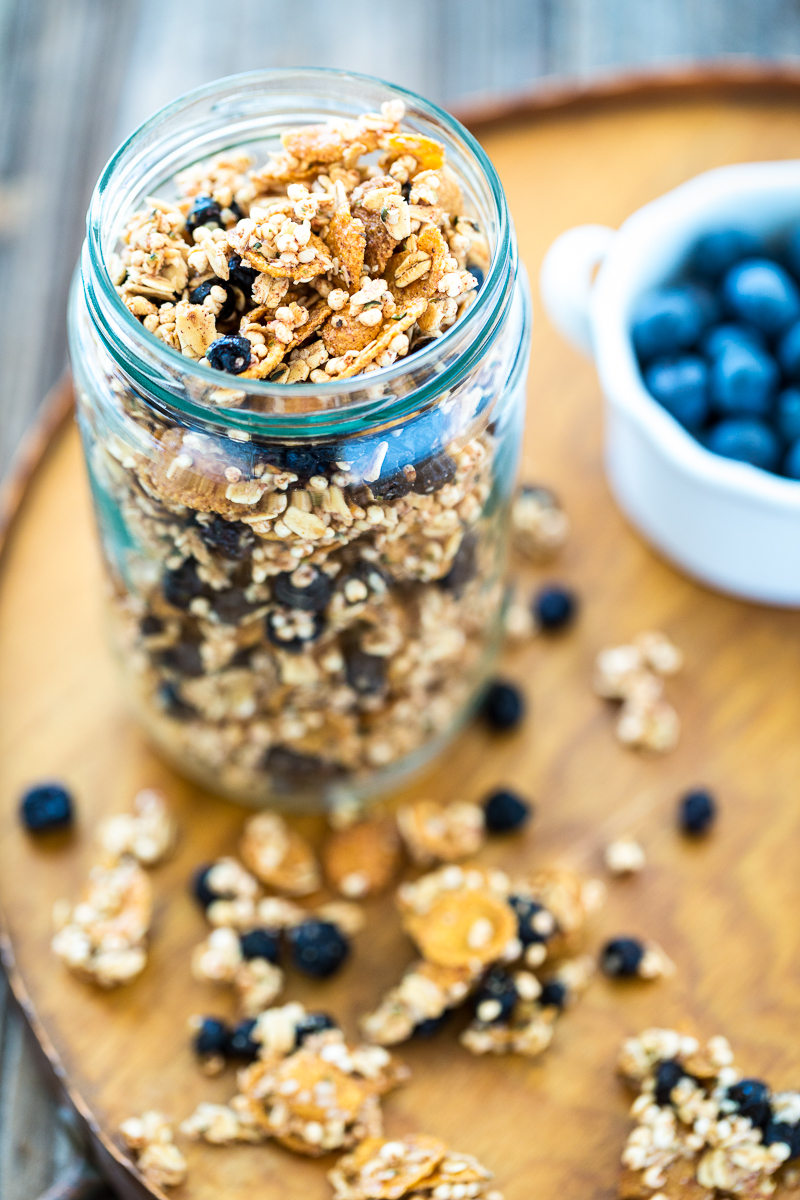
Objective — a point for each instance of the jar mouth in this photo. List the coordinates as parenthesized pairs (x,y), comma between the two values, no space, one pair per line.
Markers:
(251,107)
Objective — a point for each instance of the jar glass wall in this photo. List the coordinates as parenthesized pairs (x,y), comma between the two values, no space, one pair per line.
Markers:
(306,580)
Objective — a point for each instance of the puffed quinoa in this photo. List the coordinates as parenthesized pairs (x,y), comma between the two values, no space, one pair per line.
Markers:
(148,833)
(159,1160)
(415,1165)
(624,856)
(634,674)
(693,1136)
(103,936)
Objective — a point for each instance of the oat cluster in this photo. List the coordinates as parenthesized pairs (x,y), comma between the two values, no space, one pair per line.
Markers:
(635,675)
(159,1160)
(481,936)
(702,1130)
(539,525)
(319,265)
(415,1167)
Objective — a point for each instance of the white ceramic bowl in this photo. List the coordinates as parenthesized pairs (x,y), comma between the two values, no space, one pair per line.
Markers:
(726,523)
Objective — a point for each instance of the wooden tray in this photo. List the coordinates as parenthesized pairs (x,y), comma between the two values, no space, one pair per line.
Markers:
(725,910)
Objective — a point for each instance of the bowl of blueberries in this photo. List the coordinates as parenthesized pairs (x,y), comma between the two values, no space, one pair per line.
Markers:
(691,311)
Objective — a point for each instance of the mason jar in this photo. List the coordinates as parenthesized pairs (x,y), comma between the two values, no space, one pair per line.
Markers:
(305,579)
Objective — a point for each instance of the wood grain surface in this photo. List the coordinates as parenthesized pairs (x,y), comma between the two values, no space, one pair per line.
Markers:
(725,910)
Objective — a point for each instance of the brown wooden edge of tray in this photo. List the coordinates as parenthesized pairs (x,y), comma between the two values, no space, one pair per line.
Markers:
(748,79)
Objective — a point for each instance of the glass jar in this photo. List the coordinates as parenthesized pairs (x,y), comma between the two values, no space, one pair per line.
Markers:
(306,580)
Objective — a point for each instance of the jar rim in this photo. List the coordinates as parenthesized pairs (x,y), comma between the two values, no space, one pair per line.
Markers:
(480,319)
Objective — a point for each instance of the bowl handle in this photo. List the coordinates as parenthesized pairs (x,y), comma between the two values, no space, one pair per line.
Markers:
(566,280)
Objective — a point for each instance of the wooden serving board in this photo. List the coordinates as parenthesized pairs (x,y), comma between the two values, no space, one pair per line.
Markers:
(725,910)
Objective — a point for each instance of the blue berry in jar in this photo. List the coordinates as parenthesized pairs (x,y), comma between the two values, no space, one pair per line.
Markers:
(787,414)
(173,704)
(318,947)
(212,1038)
(555,607)
(743,380)
(496,997)
(697,811)
(680,385)
(199,294)
(717,251)
(306,588)
(181,585)
(667,321)
(505,811)
(46,807)
(434,474)
(261,943)
(746,440)
(184,659)
(788,351)
(621,957)
(503,706)
(719,337)
(241,1043)
(366,673)
(204,211)
(241,276)
(229,353)
(310,1023)
(751,1097)
(763,293)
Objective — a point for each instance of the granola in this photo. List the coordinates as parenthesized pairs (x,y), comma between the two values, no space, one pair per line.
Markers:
(539,524)
(148,833)
(436,832)
(278,856)
(159,1160)
(103,936)
(416,1165)
(362,858)
(635,675)
(701,1129)
(624,856)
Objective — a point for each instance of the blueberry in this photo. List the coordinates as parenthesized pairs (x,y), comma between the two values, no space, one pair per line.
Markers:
(229,353)
(310,597)
(173,704)
(204,211)
(241,1043)
(791,463)
(720,336)
(553,994)
(276,630)
(318,947)
(312,1022)
(680,385)
(747,440)
(464,566)
(751,1098)
(261,943)
(290,768)
(668,1075)
(667,321)
(241,276)
(198,295)
(475,270)
(182,585)
(535,923)
(306,461)
(212,1038)
(620,957)
(232,539)
(761,292)
(422,343)
(430,1027)
(232,605)
(697,811)
(45,807)
(506,811)
(433,474)
(496,997)
(779,1131)
(200,889)
(787,414)
(183,659)
(555,607)
(716,252)
(366,673)
(743,380)
(392,487)
(788,351)
(503,706)
(151,625)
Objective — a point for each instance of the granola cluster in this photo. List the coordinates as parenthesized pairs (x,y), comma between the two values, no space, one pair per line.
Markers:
(703,1131)
(313,267)
(635,675)
(416,1166)
(159,1160)
(482,936)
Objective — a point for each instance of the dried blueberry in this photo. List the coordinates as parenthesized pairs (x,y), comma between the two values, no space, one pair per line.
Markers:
(261,943)
(680,385)
(306,461)
(393,487)
(46,807)
(241,1043)
(433,474)
(232,605)
(241,276)
(184,658)
(204,211)
(555,607)
(233,539)
(151,625)
(779,1131)
(535,923)
(200,889)
(762,293)
(431,1026)
(747,440)
(366,673)
(295,769)
(182,585)
(310,1023)
(463,567)
(553,994)
(503,706)
(620,957)
(212,1038)
(312,596)
(293,629)
(751,1098)
(505,811)
(697,811)
(668,1075)
(477,271)
(198,295)
(496,997)
(318,947)
(229,353)
(173,704)
(422,343)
